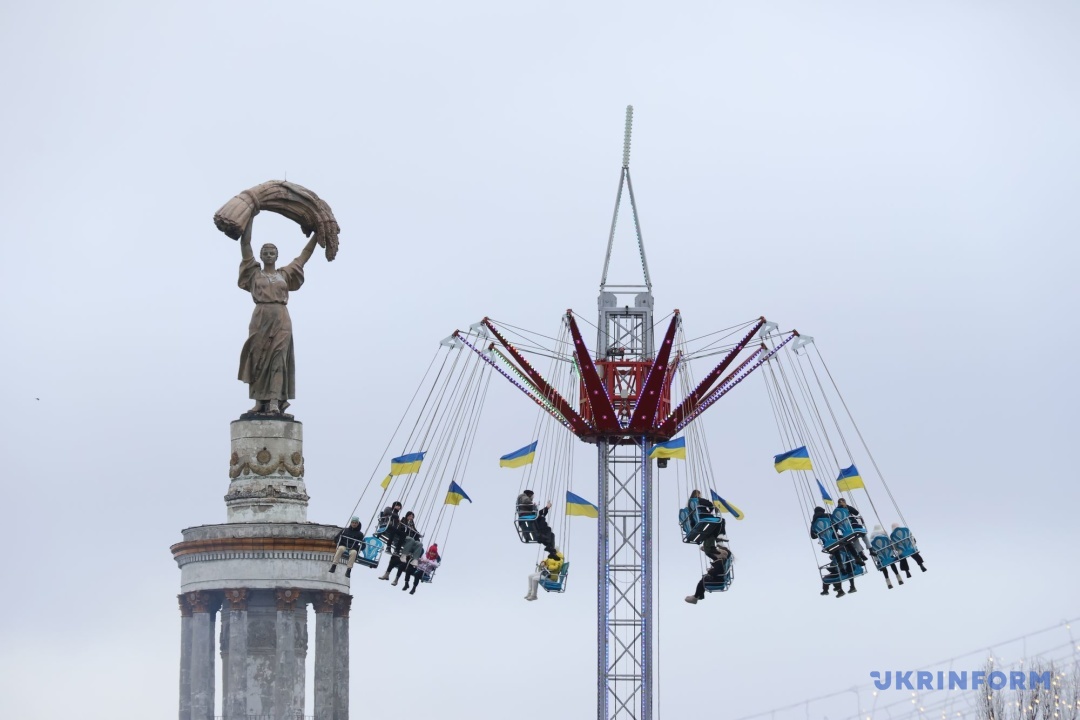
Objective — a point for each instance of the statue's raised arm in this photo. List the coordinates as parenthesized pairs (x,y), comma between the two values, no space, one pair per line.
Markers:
(267,362)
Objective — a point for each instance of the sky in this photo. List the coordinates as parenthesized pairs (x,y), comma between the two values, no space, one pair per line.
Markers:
(897,180)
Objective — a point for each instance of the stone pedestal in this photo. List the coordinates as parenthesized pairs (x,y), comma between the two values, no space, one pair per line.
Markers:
(261,569)
(266,469)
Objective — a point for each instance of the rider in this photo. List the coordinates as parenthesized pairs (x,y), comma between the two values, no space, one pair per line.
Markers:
(350,540)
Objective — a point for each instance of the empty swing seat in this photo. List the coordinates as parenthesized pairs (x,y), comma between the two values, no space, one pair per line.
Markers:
(370,553)
(903,542)
(527,529)
(700,522)
(556,583)
(723,583)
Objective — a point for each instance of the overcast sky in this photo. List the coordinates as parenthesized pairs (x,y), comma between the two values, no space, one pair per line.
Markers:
(898,180)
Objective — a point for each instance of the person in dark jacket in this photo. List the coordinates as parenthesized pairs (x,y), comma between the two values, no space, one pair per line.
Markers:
(350,540)
(525,504)
(860,558)
(718,559)
(857,526)
(388,518)
(915,556)
(544,531)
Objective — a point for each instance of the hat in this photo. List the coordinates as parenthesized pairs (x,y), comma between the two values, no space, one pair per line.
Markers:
(819,509)
(354,519)
(528,492)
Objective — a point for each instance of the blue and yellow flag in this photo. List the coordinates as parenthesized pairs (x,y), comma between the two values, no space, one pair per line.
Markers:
(672,449)
(386,483)
(825,497)
(518,458)
(456,495)
(406,464)
(849,479)
(725,507)
(797,459)
(576,505)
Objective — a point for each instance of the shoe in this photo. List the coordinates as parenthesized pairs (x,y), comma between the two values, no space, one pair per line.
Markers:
(333,568)
(385,575)
(692,599)
(851,589)
(908,573)
(530,597)
(413,591)
(840,593)
(863,557)
(889,584)
(348,572)
(395,581)
(923,568)
(825,591)
(405,587)
(900,580)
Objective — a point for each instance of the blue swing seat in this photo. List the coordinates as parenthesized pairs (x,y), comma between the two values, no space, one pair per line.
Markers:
(721,584)
(699,522)
(823,527)
(846,569)
(557,583)
(368,551)
(883,552)
(903,542)
(525,524)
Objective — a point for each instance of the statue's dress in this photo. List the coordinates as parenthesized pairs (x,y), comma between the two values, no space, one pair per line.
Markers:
(267,364)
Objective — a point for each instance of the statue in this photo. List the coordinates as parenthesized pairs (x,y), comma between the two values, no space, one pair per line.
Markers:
(267,362)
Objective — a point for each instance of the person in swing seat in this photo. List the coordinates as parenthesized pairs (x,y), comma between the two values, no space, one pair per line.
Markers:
(350,540)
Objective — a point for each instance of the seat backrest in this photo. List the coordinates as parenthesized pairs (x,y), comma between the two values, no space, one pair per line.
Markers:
(684,520)
(372,547)
(823,528)
(841,518)
(905,544)
(883,550)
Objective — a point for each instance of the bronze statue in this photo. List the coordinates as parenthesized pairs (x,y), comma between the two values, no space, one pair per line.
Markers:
(267,363)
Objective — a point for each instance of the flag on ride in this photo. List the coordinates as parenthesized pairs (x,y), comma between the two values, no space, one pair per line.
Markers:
(824,494)
(456,495)
(406,464)
(672,449)
(849,479)
(519,458)
(576,505)
(725,507)
(386,483)
(797,459)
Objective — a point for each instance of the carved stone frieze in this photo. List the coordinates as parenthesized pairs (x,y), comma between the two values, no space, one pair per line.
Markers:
(325,601)
(263,464)
(200,601)
(344,603)
(185,606)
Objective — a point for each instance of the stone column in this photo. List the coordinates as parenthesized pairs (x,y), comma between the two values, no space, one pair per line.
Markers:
(202,656)
(341,653)
(262,652)
(234,655)
(185,657)
(285,679)
(324,603)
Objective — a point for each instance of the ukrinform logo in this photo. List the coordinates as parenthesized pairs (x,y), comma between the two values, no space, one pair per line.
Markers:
(963,680)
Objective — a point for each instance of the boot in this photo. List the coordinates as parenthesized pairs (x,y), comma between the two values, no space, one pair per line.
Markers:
(908,573)
(333,567)
(348,572)
(413,591)
(385,575)
(405,586)
(692,599)
(889,583)
(394,582)
(900,580)
(824,591)
(840,593)
(530,597)
(852,588)
(923,568)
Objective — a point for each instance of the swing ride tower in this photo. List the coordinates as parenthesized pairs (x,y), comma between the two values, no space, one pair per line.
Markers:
(625,408)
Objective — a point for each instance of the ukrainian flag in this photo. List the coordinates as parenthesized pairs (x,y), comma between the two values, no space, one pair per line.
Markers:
(797,459)
(673,449)
(386,483)
(825,498)
(519,458)
(406,464)
(576,505)
(456,495)
(849,479)
(725,507)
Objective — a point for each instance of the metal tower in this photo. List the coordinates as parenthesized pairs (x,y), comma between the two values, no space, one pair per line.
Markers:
(625,409)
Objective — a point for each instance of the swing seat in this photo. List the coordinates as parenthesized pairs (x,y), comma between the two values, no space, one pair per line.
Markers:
(903,543)
(700,523)
(721,584)
(846,569)
(841,523)
(557,583)
(823,527)
(526,528)
(370,553)
(884,552)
